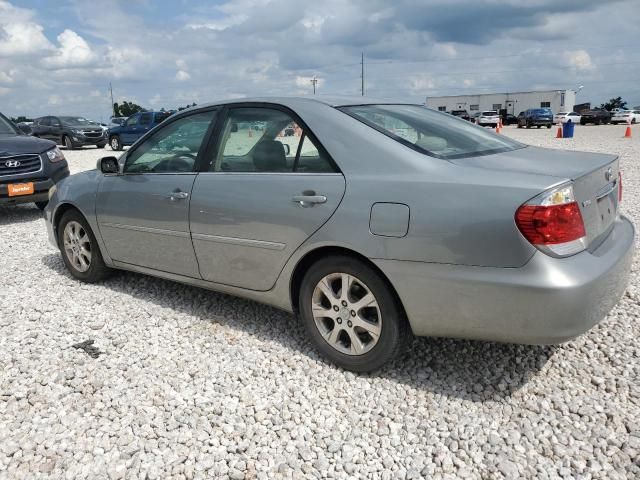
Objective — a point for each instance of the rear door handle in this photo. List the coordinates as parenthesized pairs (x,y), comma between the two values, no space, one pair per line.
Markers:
(173,196)
(308,199)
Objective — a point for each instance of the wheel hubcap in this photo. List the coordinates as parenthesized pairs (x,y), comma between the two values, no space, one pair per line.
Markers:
(77,246)
(346,313)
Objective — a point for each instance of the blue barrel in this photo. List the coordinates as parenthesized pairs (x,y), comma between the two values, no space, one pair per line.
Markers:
(567,129)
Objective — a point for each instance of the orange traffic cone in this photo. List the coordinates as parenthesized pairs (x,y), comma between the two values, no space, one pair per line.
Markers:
(627,133)
(497,128)
(559,132)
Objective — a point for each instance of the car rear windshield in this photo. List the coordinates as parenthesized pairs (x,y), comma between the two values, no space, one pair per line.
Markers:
(489,113)
(434,133)
(6,127)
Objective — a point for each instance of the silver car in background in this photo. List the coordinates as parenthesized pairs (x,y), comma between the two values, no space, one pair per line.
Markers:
(372,221)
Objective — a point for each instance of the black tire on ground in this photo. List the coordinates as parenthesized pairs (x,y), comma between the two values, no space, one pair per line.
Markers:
(538,126)
(633,120)
(67,142)
(395,330)
(114,143)
(100,145)
(97,269)
(41,205)
(519,126)
(548,126)
(598,122)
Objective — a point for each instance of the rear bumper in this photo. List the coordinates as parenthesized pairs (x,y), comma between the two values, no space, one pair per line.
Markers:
(544,302)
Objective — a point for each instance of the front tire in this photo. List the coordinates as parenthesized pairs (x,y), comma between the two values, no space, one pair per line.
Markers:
(100,145)
(67,142)
(79,248)
(114,143)
(351,314)
(41,205)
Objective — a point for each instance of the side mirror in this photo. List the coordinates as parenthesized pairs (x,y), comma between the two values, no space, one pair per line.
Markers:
(108,165)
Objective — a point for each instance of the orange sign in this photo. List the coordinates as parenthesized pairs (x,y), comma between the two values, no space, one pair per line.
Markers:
(16,189)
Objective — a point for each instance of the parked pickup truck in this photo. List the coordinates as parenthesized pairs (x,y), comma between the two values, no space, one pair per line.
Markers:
(135,127)
(597,116)
(29,166)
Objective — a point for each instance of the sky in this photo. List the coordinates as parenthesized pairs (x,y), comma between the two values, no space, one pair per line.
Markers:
(58,57)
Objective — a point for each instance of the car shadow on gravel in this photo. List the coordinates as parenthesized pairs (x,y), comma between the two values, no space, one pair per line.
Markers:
(10,214)
(470,370)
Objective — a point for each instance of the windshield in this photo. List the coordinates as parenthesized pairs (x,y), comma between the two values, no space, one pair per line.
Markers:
(76,121)
(6,127)
(434,133)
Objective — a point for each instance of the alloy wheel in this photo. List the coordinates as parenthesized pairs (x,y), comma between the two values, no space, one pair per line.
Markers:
(77,246)
(346,313)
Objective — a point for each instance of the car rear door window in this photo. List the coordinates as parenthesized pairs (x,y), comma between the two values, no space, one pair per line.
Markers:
(172,149)
(145,119)
(267,140)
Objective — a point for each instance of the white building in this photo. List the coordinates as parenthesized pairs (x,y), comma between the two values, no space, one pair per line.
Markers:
(512,102)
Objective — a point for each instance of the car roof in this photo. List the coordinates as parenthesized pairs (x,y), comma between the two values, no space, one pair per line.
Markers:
(331,100)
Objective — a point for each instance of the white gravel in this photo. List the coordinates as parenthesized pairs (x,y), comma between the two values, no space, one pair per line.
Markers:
(194,384)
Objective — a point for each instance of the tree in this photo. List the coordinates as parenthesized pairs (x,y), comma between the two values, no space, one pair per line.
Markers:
(126,109)
(614,103)
(188,106)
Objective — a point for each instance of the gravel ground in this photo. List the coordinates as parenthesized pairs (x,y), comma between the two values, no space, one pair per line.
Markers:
(188,383)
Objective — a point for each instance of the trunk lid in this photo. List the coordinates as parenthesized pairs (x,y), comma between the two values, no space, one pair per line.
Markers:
(594,175)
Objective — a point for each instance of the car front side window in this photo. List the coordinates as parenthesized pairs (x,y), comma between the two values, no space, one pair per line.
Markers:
(172,149)
(132,121)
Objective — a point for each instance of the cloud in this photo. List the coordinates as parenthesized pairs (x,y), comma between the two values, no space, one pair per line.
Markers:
(19,34)
(182,76)
(200,51)
(580,59)
(74,51)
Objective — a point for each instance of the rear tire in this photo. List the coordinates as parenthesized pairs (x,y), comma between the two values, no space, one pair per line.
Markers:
(75,236)
(548,126)
(41,205)
(114,143)
(369,336)
(101,145)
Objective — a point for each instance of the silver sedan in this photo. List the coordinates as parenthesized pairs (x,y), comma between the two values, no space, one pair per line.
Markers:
(372,221)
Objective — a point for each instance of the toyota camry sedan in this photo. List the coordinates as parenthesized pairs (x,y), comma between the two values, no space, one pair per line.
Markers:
(373,222)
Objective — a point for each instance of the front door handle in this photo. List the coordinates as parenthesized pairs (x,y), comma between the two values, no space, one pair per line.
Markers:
(309,199)
(173,196)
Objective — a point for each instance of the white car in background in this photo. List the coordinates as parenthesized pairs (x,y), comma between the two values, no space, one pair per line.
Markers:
(626,116)
(488,118)
(564,117)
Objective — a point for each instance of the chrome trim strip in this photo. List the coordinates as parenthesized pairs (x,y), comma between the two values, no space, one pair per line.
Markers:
(137,228)
(273,173)
(607,190)
(245,242)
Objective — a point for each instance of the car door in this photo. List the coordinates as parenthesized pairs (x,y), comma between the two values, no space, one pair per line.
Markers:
(129,132)
(143,212)
(260,196)
(55,130)
(144,125)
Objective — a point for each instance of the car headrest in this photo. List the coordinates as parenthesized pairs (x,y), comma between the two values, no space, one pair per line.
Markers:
(431,144)
(269,156)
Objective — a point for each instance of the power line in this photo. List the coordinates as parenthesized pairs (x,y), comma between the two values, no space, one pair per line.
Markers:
(362,73)
(314,80)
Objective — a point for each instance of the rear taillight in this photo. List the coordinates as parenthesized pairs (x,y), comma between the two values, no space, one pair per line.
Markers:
(552,222)
(619,186)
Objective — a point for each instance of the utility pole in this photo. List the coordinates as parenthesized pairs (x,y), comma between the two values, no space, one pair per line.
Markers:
(362,73)
(314,80)
(113,110)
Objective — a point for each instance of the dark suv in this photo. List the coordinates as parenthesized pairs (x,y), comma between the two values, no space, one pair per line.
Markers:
(463,114)
(597,116)
(29,166)
(134,128)
(72,132)
(536,117)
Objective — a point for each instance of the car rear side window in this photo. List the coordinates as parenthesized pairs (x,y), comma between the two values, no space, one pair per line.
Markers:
(267,140)
(430,132)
